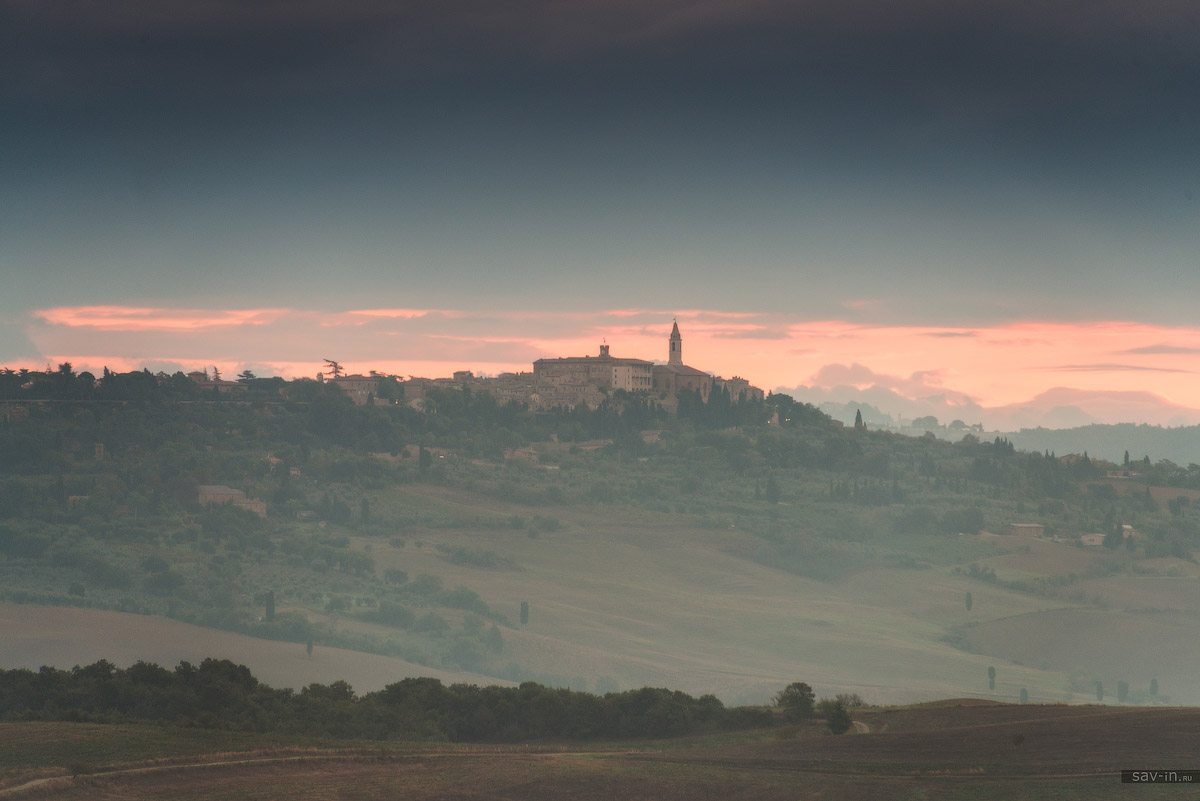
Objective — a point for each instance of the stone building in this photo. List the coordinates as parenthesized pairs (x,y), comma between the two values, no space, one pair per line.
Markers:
(741,389)
(360,388)
(606,372)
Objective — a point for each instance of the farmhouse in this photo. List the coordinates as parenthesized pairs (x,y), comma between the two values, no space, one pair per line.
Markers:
(208,494)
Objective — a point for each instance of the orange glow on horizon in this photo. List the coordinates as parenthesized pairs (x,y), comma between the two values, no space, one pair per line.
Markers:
(992,365)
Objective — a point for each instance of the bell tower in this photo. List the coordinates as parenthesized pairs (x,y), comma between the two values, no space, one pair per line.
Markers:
(675,355)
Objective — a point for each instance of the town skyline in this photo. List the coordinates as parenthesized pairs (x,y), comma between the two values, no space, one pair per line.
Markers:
(816,361)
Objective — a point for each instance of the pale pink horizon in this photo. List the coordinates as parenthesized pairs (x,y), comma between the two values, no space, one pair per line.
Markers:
(990,365)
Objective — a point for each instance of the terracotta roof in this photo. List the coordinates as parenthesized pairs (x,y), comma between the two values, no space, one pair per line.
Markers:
(589,359)
(682,369)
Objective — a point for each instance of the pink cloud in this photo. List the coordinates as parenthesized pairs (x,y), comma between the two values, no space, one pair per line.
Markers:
(403,314)
(131,318)
(919,384)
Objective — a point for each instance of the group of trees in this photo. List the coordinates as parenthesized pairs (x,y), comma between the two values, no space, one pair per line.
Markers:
(798,703)
(223,695)
(456,409)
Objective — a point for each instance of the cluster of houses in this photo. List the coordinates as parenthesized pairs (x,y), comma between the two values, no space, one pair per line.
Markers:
(556,382)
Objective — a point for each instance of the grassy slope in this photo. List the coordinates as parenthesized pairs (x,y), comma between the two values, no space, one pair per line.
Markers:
(631,597)
(644,598)
(64,637)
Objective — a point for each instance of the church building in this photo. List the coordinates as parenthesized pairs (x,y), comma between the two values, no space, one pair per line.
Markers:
(667,379)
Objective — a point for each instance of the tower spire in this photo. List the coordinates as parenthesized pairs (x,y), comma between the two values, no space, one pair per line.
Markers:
(675,353)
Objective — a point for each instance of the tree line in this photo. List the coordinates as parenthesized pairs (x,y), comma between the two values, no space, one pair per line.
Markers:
(219,694)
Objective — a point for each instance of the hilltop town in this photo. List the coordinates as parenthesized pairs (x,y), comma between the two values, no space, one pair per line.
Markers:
(554,382)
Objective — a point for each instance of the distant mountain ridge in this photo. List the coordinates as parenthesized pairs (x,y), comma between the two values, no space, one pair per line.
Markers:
(1056,408)
(1062,419)
(1180,444)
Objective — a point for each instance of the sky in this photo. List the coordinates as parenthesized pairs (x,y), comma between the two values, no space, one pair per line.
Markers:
(961,207)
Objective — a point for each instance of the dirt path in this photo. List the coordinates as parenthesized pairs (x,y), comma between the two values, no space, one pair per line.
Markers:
(61,782)
(30,785)
(65,782)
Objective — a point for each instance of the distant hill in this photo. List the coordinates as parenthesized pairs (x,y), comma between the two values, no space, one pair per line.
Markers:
(595,549)
(1180,444)
(1056,408)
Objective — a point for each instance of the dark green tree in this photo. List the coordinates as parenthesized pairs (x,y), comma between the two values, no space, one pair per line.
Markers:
(308,647)
(839,719)
(270,605)
(1122,690)
(1114,538)
(968,601)
(524,613)
(1099,691)
(796,701)
(1024,696)
(858,421)
(773,493)
(991,677)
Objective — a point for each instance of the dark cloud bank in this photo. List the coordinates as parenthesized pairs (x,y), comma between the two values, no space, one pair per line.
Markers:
(989,70)
(587,136)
